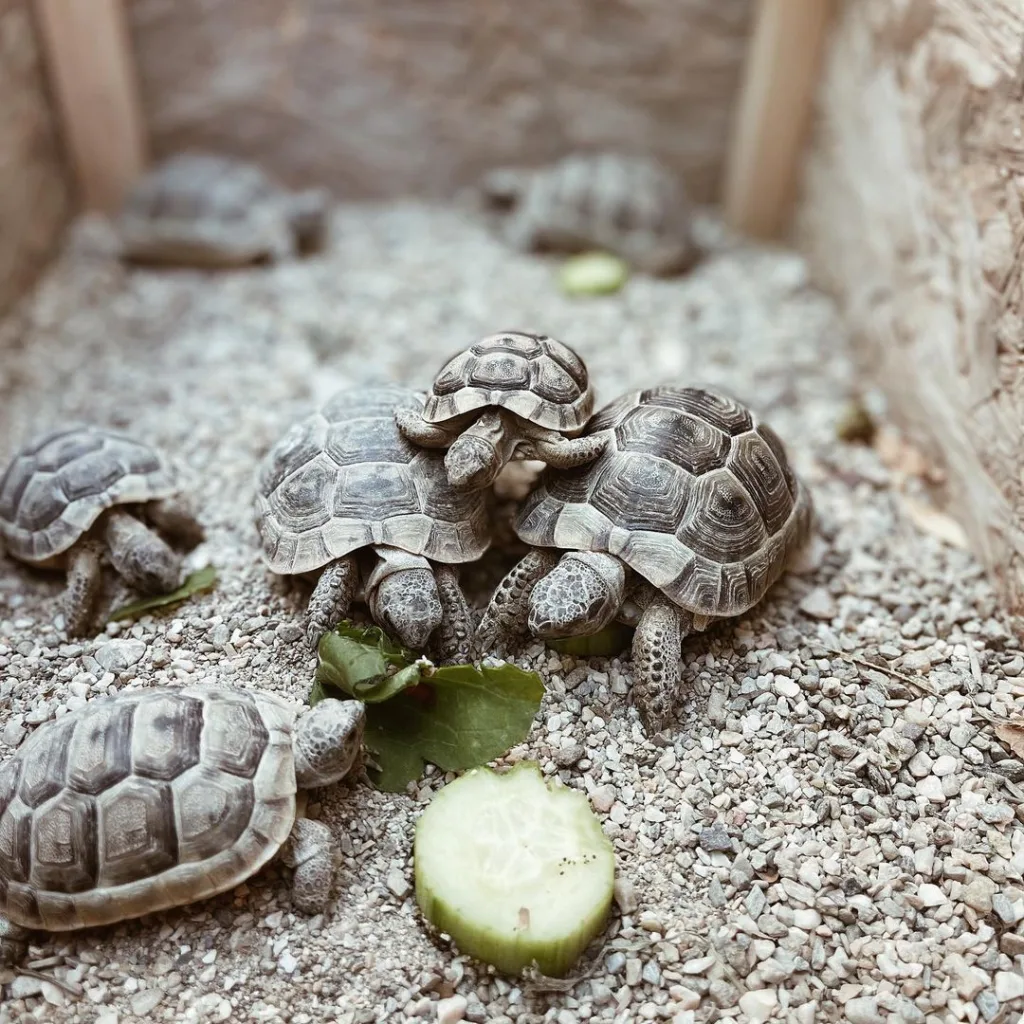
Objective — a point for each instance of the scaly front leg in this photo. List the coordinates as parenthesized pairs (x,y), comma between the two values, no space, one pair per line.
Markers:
(416,429)
(84,581)
(311,850)
(331,598)
(657,647)
(562,452)
(454,637)
(505,619)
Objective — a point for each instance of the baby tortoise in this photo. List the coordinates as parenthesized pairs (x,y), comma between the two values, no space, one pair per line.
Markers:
(631,206)
(209,211)
(689,515)
(345,492)
(80,493)
(156,798)
(509,396)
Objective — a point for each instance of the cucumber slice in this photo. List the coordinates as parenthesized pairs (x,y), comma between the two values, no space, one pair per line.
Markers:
(514,869)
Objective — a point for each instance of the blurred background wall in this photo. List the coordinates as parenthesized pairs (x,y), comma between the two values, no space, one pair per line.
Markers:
(35,201)
(387,97)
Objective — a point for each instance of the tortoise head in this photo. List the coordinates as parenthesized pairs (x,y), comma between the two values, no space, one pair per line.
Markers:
(403,598)
(480,452)
(578,597)
(327,740)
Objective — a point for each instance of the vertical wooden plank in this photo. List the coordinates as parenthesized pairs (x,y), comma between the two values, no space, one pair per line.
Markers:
(88,56)
(773,113)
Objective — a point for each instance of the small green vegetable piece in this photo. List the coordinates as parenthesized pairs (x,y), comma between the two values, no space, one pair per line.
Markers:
(196,583)
(593,273)
(514,869)
(456,717)
(606,643)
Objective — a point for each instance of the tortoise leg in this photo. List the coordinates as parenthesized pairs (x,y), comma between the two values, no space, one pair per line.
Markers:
(416,429)
(657,647)
(174,517)
(505,619)
(564,452)
(455,634)
(13,942)
(141,556)
(330,600)
(85,578)
(311,851)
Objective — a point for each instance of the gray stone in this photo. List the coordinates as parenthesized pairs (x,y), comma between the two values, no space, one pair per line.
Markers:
(119,655)
(715,839)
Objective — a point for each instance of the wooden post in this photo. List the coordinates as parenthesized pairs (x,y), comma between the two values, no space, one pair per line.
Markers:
(776,100)
(88,56)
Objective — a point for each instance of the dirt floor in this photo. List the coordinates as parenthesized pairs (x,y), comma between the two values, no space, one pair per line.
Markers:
(834,833)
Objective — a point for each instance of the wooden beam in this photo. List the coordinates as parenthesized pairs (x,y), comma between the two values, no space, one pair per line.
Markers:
(780,81)
(89,59)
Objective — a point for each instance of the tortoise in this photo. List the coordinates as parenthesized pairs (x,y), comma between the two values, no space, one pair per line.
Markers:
(82,492)
(511,395)
(631,206)
(151,799)
(345,492)
(689,515)
(212,211)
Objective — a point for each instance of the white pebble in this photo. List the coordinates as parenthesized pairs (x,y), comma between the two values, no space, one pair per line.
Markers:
(944,765)
(930,895)
(451,1010)
(758,1004)
(1009,985)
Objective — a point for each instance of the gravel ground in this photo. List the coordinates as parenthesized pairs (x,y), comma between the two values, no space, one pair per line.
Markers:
(834,833)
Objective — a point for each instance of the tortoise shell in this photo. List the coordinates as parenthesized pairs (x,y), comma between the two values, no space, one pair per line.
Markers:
(534,376)
(57,486)
(143,801)
(629,205)
(345,478)
(201,186)
(692,492)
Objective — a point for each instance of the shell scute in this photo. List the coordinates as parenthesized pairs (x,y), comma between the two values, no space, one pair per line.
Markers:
(64,854)
(166,735)
(136,831)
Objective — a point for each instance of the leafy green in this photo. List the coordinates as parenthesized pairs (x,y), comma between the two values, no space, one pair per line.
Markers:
(456,716)
(606,643)
(592,273)
(196,583)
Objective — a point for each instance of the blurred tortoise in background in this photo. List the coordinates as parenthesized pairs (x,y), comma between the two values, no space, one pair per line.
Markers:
(689,515)
(156,798)
(630,206)
(345,492)
(512,395)
(80,493)
(209,211)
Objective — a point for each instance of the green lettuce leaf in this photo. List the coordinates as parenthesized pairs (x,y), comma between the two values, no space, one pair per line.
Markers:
(455,717)
(196,583)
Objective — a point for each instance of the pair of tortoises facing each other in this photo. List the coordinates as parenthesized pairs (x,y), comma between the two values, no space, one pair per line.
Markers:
(156,798)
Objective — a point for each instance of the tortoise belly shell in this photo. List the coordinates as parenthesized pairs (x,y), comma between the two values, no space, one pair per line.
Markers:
(345,478)
(692,492)
(58,485)
(143,801)
(534,376)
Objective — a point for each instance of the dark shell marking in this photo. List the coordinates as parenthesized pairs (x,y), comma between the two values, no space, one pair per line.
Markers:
(692,492)
(345,478)
(58,485)
(143,801)
(534,376)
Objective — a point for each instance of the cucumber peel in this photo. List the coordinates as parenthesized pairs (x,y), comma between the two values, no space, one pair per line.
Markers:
(515,869)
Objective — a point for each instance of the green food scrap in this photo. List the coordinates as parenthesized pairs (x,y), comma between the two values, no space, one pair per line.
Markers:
(606,643)
(455,717)
(196,583)
(593,273)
